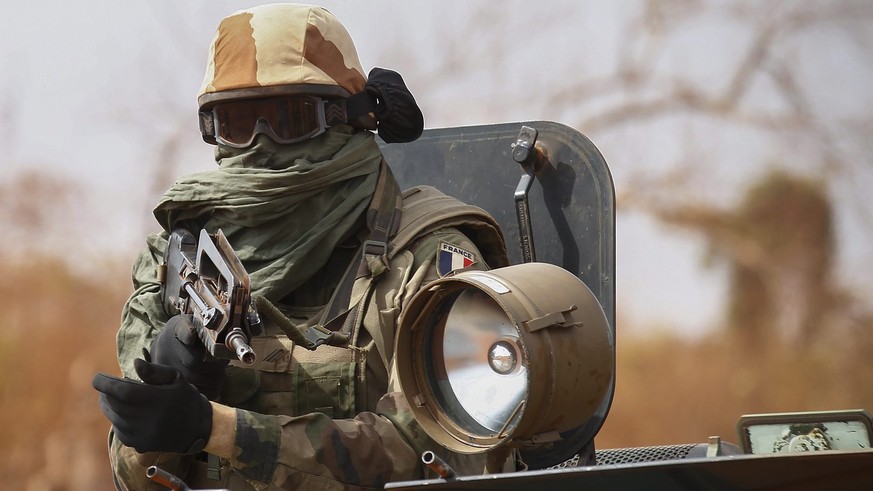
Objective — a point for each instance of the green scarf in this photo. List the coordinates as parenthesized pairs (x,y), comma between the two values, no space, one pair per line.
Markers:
(283,208)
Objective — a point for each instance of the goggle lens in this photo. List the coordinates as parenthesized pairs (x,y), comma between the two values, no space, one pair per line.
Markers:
(287,119)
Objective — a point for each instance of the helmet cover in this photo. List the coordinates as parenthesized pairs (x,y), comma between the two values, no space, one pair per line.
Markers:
(280,49)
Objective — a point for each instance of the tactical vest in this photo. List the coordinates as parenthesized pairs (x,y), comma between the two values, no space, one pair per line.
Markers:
(337,377)
(347,373)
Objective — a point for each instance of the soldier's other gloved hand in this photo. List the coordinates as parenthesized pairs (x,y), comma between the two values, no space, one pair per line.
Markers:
(163,414)
(178,346)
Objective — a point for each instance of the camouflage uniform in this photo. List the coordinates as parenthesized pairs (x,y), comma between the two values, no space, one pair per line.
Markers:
(332,418)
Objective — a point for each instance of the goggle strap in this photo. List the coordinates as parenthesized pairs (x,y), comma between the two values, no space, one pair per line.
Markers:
(335,112)
(359,105)
(207,126)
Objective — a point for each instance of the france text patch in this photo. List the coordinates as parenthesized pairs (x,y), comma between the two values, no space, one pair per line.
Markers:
(451,257)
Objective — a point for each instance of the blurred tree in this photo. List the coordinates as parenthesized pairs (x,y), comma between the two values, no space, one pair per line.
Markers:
(780,240)
(785,284)
(35,211)
(779,245)
(710,94)
(768,50)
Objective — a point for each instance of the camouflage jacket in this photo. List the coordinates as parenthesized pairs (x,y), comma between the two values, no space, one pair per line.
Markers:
(325,419)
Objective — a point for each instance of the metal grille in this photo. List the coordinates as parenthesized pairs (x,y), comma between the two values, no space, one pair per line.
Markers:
(571,462)
(643,454)
(634,455)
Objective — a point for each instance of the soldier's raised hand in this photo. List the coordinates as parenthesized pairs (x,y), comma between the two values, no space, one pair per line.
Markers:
(178,346)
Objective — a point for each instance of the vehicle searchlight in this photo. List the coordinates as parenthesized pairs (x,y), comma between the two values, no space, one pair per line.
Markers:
(511,356)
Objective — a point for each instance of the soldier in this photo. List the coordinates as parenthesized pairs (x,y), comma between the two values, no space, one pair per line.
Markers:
(304,196)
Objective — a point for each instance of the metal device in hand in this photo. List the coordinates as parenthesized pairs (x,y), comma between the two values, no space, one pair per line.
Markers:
(206,279)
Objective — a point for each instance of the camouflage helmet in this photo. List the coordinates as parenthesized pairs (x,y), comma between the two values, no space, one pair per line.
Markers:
(281,49)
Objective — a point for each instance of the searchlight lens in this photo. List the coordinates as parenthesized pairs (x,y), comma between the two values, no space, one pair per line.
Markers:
(477,343)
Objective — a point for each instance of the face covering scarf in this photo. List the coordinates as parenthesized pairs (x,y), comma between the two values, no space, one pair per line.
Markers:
(283,208)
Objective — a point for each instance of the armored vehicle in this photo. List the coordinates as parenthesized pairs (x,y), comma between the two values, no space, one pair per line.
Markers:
(551,191)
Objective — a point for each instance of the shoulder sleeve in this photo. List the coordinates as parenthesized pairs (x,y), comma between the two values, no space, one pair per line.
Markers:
(450,250)
(143,314)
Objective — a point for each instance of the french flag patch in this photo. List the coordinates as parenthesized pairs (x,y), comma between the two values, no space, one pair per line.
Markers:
(451,257)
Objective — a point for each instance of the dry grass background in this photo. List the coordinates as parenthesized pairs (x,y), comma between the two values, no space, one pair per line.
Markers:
(671,390)
(57,329)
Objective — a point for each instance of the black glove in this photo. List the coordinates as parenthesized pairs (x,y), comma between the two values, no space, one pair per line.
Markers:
(178,346)
(164,414)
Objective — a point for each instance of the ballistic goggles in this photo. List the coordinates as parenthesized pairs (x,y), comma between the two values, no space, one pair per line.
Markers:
(285,119)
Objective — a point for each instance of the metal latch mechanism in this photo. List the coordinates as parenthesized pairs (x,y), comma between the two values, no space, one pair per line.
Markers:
(533,158)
